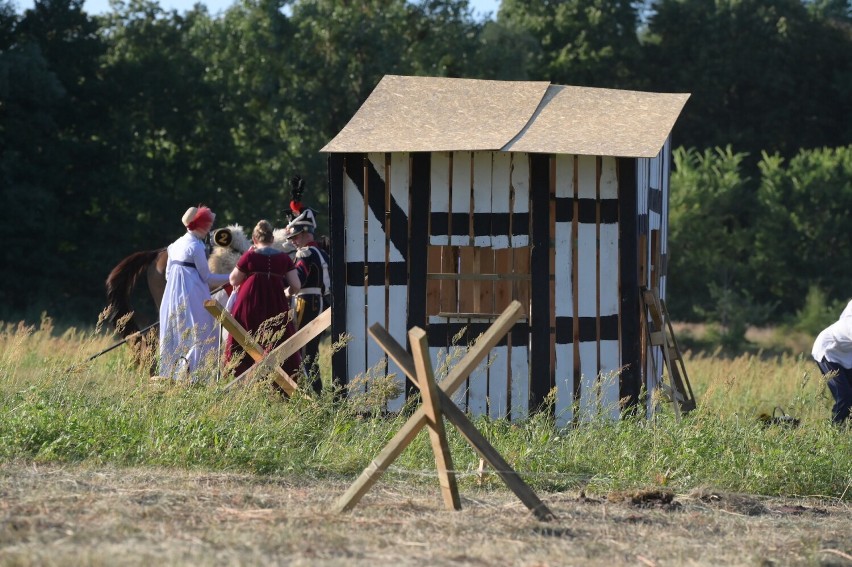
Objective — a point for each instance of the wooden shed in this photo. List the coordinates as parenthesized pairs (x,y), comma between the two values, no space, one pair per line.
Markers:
(449,198)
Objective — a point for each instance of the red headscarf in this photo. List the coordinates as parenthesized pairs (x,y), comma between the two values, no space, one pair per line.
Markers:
(203,218)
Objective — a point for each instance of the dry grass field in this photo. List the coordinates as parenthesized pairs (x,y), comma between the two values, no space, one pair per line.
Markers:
(71,515)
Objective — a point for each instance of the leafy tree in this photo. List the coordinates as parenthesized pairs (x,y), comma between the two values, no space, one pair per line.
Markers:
(580,42)
(170,149)
(710,236)
(802,231)
(249,54)
(50,148)
(764,74)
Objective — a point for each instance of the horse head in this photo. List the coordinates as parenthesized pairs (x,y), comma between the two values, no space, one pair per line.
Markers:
(227,245)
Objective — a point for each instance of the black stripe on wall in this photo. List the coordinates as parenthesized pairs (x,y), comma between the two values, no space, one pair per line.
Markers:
(337,222)
(398,230)
(588,329)
(482,223)
(655,200)
(540,308)
(520,224)
(418,222)
(485,224)
(397,273)
(418,198)
(461,224)
(587,210)
(629,229)
(500,224)
(438,223)
(442,334)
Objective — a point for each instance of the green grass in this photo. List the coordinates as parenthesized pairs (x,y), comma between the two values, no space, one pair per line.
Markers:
(108,412)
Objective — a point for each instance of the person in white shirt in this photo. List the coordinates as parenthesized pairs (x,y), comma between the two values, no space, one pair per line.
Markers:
(187,330)
(833,353)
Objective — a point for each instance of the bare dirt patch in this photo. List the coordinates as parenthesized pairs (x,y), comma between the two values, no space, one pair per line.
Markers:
(54,515)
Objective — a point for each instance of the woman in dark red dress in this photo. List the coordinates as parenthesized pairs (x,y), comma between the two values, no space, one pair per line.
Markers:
(262,306)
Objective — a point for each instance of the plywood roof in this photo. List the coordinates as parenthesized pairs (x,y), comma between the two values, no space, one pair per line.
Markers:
(424,114)
(439,114)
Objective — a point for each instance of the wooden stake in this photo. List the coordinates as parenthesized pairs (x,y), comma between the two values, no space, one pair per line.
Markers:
(252,348)
(432,406)
(291,346)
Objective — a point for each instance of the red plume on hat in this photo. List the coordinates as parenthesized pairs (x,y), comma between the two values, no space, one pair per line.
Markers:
(297,187)
(301,218)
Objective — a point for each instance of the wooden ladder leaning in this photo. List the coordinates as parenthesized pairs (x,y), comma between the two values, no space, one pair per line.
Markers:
(661,334)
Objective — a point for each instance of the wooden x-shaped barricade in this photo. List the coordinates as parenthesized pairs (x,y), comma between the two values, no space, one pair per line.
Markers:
(436,405)
(274,358)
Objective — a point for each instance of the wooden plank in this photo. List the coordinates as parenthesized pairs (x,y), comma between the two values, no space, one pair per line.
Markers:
(396,203)
(439,190)
(292,345)
(520,200)
(460,198)
(432,407)
(482,165)
(498,382)
(486,289)
(252,348)
(589,392)
(418,223)
(433,285)
(564,291)
(477,384)
(521,263)
(441,353)
(337,224)
(496,278)
(609,382)
(472,435)
(503,286)
(396,326)
(540,308)
(355,301)
(356,348)
(586,290)
(501,199)
(449,289)
(520,379)
(467,265)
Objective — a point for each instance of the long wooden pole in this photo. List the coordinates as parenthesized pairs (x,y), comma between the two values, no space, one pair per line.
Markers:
(433,406)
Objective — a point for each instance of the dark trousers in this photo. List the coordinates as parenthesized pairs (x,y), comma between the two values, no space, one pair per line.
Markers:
(307,309)
(840,387)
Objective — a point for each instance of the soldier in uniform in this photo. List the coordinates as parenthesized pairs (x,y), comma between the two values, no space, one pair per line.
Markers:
(312,268)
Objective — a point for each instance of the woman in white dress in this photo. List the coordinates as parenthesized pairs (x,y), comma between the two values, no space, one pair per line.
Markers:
(187,330)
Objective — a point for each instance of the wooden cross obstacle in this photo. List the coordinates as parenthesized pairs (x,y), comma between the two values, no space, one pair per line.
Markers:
(437,405)
(274,358)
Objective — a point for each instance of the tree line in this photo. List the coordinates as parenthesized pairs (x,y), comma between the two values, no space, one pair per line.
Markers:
(110,125)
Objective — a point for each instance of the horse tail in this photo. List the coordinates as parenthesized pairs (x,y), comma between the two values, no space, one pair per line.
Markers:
(120,283)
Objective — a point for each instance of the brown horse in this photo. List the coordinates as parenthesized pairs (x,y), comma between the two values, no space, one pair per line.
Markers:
(227,245)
